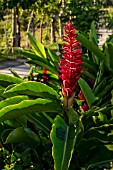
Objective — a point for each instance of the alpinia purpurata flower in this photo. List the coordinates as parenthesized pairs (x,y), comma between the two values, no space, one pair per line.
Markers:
(84,106)
(45,76)
(70,64)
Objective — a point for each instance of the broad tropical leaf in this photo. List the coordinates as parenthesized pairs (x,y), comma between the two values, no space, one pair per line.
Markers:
(12,100)
(89,75)
(88,155)
(54,58)
(48,66)
(42,121)
(104,156)
(15,74)
(100,74)
(6,80)
(1,90)
(23,135)
(96,140)
(31,55)
(90,98)
(27,107)
(93,34)
(99,86)
(103,133)
(88,64)
(91,47)
(32,89)
(94,40)
(63,138)
(108,87)
(85,146)
(37,46)
(109,55)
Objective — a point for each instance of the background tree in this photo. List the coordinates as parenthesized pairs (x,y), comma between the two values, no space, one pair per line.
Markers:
(45,19)
(82,13)
(15,6)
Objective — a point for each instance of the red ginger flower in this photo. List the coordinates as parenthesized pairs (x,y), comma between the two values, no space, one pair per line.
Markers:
(45,76)
(70,64)
(81,96)
(84,106)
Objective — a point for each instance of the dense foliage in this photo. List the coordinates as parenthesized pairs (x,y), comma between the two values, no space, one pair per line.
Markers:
(41,128)
(82,13)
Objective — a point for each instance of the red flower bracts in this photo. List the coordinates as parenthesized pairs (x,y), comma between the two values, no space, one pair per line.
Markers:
(84,106)
(70,64)
(45,76)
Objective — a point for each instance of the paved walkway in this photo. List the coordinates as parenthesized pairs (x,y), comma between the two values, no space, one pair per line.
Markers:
(104,33)
(17,65)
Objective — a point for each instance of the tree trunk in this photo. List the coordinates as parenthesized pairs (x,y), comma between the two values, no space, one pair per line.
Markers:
(53,28)
(18,28)
(13,28)
(53,36)
(41,31)
(33,27)
(60,26)
(60,22)
(28,27)
(52,32)
(63,3)
(5,32)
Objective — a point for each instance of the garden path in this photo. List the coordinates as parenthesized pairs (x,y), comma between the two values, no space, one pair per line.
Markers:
(17,65)
(104,33)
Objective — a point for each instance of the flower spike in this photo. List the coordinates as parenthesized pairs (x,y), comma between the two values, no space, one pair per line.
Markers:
(70,64)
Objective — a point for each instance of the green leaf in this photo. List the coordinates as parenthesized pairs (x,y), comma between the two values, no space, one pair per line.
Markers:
(91,152)
(103,133)
(109,55)
(37,46)
(17,121)
(1,90)
(84,146)
(89,65)
(49,67)
(32,89)
(88,74)
(106,89)
(27,107)
(93,34)
(94,40)
(23,135)
(73,116)
(14,73)
(30,54)
(12,100)
(33,56)
(63,138)
(99,86)
(89,96)
(6,80)
(104,155)
(42,121)
(100,74)
(54,58)
(5,134)
(97,141)
(91,46)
